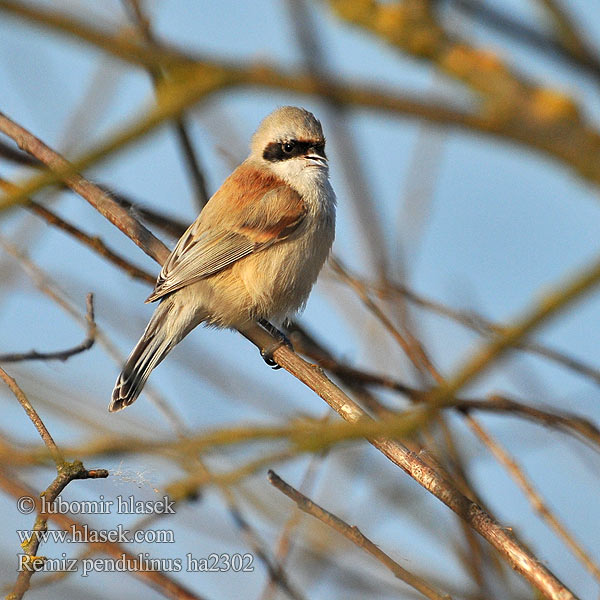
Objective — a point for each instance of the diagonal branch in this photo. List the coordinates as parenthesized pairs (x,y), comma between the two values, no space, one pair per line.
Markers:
(181,129)
(535,498)
(355,536)
(66,472)
(61,354)
(524,113)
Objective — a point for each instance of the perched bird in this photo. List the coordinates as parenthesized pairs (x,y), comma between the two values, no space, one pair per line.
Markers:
(253,253)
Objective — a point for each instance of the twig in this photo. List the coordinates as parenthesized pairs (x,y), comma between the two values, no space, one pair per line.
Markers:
(505,459)
(93,242)
(181,129)
(569,423)
(535,498)
(61,169)
(355,536)
(420,359)
(191,485)
(66,472)
(549,306)
(562,136)
(34,417)
(50,288)
(508,337)
(483,326)
(167,224)
(61,354)
(569,35)
(283,545)
(408,343)
(490,16)
(275,570)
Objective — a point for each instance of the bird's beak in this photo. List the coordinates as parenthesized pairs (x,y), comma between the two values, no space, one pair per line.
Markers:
(316,156)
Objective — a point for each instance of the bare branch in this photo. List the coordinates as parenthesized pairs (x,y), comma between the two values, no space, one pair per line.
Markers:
(66,472)
(535,498)
(61,354)
(477,322)
(540,118)
(35,418)
(93,242)
(355,536)
(191,158)
(511,27)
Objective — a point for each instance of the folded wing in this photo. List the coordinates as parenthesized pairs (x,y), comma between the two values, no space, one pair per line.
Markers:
(265,215)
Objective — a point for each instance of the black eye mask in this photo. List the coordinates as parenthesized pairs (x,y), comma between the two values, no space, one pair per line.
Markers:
(277,151)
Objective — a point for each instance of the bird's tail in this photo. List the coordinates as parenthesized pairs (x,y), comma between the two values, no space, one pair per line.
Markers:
(165,329)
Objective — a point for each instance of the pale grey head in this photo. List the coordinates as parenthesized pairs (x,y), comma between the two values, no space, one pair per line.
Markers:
(289,139)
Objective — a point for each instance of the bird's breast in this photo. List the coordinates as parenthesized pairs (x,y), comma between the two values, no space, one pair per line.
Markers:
(280,278)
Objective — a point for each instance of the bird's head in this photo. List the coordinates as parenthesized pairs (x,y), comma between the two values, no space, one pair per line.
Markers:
(289,142)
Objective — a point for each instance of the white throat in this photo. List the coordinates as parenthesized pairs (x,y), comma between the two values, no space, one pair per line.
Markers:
(307,179)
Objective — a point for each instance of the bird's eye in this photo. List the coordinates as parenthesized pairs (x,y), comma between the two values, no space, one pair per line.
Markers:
(288,146)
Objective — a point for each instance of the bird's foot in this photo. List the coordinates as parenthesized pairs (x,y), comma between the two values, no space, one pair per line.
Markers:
(267,353)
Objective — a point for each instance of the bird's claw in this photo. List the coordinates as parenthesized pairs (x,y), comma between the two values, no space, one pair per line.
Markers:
(267,353)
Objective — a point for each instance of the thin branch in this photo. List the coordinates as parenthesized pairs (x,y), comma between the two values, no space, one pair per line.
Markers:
(571,290)
(275,570)
(560,133)
(570,423)
(91,241)
(191,485)
(511,27)
(61,169)
(411,346)
(477,322)
(61,354)
(191,158)
(505,459)
(535,498)
(355,536)
(508,337)
(284,545)
(51,289)
(168,224)
(66,472)
(34,417)
(569,35)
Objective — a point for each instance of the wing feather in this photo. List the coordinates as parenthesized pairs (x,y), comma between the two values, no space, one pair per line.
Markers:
(269,213)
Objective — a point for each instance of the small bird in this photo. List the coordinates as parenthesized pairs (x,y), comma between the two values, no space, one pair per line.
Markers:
(252,254)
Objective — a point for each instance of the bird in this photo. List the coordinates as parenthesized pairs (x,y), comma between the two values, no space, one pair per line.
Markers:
(253,253)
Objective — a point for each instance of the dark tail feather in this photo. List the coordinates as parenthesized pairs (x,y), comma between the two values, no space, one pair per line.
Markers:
(147,354)
(169,324)
(153,346)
